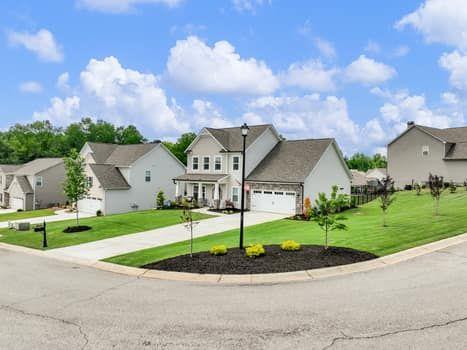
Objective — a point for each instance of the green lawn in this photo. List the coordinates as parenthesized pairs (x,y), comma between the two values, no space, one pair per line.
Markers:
(410,223)
(26,214)
(102,227)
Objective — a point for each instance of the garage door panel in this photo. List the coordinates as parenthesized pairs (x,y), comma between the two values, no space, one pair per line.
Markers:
(90,205)
(16,203)
(273,201)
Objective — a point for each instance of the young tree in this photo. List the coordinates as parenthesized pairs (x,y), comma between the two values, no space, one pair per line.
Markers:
(386,195)
(160,199)
(187,219)
(436,185)
(325,213)
(76,186)
(418,188)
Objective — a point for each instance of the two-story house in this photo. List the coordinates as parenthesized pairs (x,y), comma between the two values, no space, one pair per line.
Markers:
(421,150)
(6,176)
(279,173)
(37,185)
(124,178)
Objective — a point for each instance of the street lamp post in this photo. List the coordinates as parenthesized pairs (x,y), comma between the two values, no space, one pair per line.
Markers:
(244,128)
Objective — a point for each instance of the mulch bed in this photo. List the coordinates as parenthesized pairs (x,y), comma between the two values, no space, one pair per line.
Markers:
(76,229)
(275,260)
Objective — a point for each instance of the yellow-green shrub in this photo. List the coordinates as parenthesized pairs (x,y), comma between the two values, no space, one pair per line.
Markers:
(219,249)
(255,250)
(290,245)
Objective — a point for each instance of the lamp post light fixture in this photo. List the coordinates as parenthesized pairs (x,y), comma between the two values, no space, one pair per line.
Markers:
(244,128)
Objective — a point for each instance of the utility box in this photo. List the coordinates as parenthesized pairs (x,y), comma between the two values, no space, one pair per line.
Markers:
(21,226)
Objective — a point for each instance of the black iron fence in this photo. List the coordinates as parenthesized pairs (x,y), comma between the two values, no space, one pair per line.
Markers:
(362,198)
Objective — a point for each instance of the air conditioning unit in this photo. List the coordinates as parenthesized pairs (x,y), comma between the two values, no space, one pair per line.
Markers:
(21,226)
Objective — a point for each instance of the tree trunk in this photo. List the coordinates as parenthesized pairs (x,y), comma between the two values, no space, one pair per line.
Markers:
(326,237)
(437,207)
(384,218)
(191,240)
(77,214)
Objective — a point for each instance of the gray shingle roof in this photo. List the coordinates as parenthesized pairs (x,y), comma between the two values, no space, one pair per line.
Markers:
(24,184)
(109,177)
(452,135)
(200,177)
(36,166)
(290,161)
(120,155)
(231,138)
(8,169)
(457,151)
(358,178)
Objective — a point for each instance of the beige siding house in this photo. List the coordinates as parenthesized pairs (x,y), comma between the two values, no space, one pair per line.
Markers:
(124,178)
(422,150)
(6,177)
(279,173)
(37,185)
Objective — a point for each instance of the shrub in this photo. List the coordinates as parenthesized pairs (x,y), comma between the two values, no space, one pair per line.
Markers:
(290,245)
(219,249)
(307,208)
(255,250)
(160,199)
(452,187)
(99,213)
(408,187)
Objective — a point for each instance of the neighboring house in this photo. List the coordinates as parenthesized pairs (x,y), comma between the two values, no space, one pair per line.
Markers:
(359,179)
(123,178)
(279,173)
(6,176)
(362,181)
(37,185)
(377,173)
(422,150)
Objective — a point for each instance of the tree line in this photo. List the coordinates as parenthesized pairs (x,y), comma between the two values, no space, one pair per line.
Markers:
(25,142)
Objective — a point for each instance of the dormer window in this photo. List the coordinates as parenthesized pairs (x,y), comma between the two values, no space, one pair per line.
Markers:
(206,163)
(195,163)
(425,150)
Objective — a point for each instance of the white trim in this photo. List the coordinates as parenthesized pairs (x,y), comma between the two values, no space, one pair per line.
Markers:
(418,128)
(339,154)
(239,194)
(233,157)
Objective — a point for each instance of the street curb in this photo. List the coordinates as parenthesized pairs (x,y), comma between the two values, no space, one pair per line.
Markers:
(254,279)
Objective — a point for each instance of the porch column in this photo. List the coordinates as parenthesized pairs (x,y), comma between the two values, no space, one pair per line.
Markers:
(216,191)
(177,189)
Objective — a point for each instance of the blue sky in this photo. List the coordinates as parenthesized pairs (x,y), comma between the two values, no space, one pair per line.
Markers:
(355,71)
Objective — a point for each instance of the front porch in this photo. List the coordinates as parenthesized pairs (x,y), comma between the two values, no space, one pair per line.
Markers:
(208,190)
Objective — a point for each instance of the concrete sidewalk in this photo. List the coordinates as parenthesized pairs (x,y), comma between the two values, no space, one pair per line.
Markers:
(61,215)
(107,248)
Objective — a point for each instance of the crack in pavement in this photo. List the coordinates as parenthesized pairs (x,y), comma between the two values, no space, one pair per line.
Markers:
(47,317)
(99,294)
(346,337)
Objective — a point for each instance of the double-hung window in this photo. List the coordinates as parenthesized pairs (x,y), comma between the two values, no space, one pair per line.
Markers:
(147,176)
(206,163)
(195,191)
(39,181)
(235,194)
(218,163)
(195,164)
(236,163)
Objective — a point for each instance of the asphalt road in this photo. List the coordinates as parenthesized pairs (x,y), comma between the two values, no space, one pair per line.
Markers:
(418,304)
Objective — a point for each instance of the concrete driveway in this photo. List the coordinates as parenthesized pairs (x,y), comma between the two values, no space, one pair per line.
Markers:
(107,248)
(417,304)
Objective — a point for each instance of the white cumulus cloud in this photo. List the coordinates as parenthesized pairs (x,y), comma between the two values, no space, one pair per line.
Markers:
(62,81)
(367,71)
(439,21)
(109,91)
(248,5)
(120,6)
(311,75)
(30,87)
(456,64)
(42,43)
(207,114)
(195,66)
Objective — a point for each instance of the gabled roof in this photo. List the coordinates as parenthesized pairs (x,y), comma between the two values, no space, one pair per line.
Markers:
(8,169)
(358,178)
(36,166)
(119,155)
(290,161)
(109,177)
(24,184)
(383,171)
(457,151)
(231,138)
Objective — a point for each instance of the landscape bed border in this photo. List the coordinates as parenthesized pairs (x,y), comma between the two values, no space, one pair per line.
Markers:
(255,279)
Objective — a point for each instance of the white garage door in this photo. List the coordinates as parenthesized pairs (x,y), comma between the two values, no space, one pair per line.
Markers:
(90,205)
(282,202)
(16,203)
